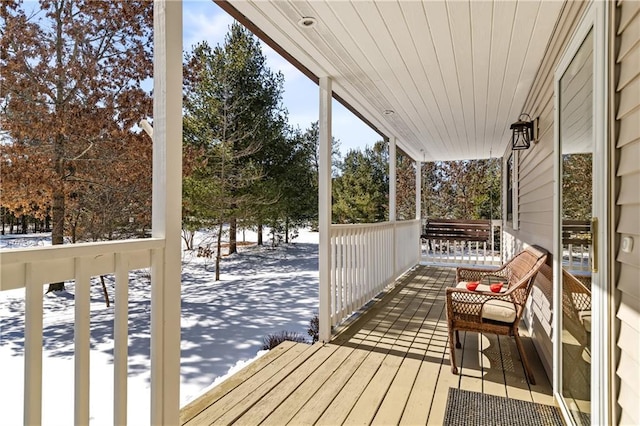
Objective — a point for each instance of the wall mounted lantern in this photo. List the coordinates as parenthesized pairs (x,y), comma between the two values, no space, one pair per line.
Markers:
(522,132)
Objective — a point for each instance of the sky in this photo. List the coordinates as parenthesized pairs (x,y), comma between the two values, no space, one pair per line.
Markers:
(204,20)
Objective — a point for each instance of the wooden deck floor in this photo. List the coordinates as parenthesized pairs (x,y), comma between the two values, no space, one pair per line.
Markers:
(390,366)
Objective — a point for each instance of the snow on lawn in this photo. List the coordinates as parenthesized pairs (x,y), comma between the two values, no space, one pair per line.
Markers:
(262,290)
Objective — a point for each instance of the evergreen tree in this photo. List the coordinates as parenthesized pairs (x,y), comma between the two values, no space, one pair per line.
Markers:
(467,189)
(294,179)
(361,191)
(405,187)
(576,182)
(233,124)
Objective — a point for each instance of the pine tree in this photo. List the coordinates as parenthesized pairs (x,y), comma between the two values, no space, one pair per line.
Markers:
(233,123)
(577,180)
(361,191)
(467,189)
(405,187)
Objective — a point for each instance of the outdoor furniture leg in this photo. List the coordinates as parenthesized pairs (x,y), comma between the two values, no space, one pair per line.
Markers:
(452,352)
(458,345)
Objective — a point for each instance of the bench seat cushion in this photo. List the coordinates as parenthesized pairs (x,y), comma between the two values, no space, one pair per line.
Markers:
(499,310)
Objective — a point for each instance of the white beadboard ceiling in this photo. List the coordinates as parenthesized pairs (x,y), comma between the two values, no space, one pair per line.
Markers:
(455,73)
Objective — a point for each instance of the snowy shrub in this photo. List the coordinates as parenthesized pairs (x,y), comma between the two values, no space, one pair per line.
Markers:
(277,234)
(270,341)
(314,328)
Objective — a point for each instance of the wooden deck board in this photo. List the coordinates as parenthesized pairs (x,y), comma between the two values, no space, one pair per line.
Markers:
(233,404)
(517,385)
(192,409)
(344,401)
(391,408)
(307,390)
(493,382)
(389,366)
(470,362)
(360,395)
(318,403)
(258,412)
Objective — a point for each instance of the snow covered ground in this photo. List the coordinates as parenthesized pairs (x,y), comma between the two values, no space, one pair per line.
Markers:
(262,290)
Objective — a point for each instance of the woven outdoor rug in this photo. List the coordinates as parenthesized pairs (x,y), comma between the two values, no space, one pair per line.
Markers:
(466,408)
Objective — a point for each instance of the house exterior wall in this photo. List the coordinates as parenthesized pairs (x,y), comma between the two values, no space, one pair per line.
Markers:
(532,222)
(627,218)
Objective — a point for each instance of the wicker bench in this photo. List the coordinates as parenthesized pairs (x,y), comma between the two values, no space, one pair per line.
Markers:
(483,311)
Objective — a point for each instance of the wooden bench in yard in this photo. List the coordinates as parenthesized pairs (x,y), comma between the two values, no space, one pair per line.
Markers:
(457,230)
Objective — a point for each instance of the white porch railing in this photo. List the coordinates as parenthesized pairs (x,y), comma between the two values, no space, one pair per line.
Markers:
(576,257)
(365,258)
(32,268)
(576,245)
(459,252)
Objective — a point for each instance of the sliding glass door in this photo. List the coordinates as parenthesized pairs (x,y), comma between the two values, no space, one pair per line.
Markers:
(581,292)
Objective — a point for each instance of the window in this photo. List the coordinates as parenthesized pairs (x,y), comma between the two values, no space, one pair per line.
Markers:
(509,194)
(511,190)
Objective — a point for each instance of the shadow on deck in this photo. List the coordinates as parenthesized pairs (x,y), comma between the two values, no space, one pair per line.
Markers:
(390,366)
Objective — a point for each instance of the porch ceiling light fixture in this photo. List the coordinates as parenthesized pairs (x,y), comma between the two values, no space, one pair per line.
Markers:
(307,22)
(522,132)
(388,112)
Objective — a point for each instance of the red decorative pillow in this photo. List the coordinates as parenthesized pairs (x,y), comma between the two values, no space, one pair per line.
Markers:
(496,287)
(471,286)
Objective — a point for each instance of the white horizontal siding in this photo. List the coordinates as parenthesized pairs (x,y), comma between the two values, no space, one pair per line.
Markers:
(628,222)
(539,316)
(535,186)
(628,396)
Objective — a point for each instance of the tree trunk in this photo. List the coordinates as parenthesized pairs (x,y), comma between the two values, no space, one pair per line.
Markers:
(57,206)
(57,233)
(233,229)
(260,234)
(218,252)
(104,290)
(286,230)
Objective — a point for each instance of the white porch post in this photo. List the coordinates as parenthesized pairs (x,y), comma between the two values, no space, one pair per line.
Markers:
(392,179)
(324,210)
(392,203)
(166,212)
(419,203)
(418,190)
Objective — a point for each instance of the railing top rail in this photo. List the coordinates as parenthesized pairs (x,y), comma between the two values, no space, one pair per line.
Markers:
(65,251)
(372,225)
(462,221)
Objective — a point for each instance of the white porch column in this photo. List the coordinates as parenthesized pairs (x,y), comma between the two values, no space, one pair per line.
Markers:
(324,210)
(166,212)
(392,203)
(419,202)
(392,179)
(418,190)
